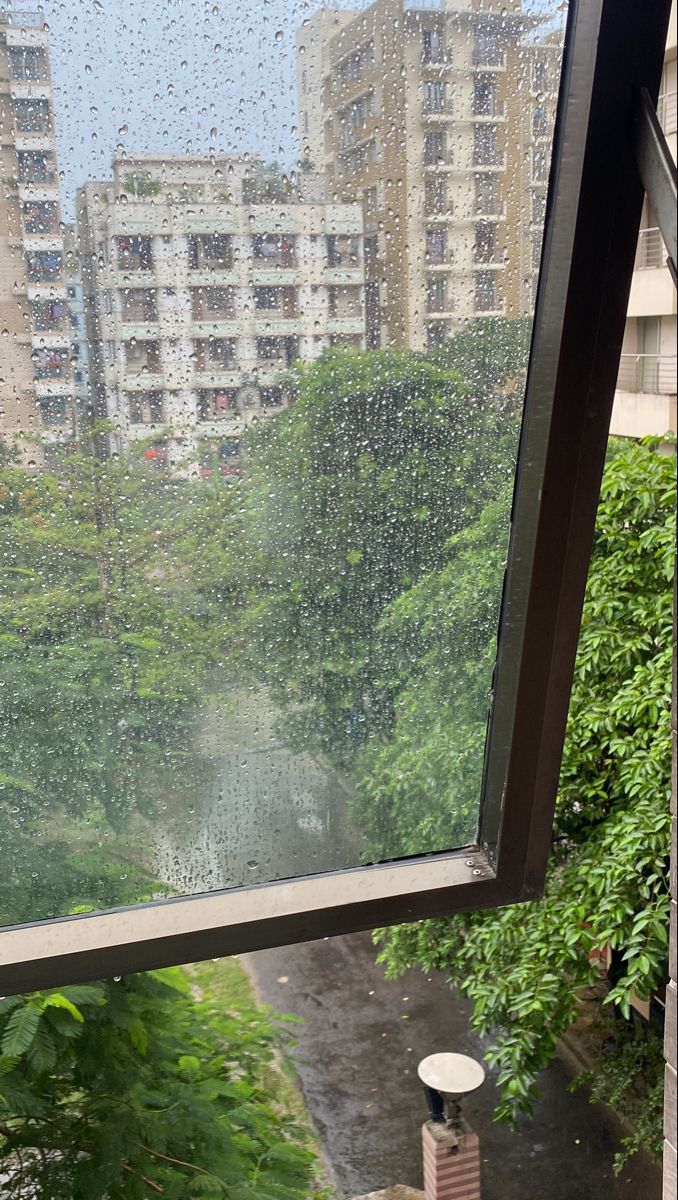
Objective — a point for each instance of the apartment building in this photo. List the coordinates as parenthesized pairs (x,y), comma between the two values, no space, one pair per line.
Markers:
(645,401)
(205,281)
(75,302)
(36,384)
(439,120)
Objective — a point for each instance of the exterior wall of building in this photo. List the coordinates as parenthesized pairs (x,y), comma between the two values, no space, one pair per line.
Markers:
(645,401)
(75,299)
(202,295)
(418,104)
(36,391)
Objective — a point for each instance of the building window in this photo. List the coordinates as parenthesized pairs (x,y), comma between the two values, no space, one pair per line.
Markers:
(44,266)
(212,302)
(485,291)
(210,252)
(434,147)
(432,46)
(436,247)
(217,404)
(434,96)
(435,195)
(538,208)
(27,62)
(436,295)
(487,195)
(540,122)
(540,165)
(36,166)
(137,304)
(32,115)
(134,253)
(276,250)
(485,103)
(146,409)
(485,149)
(436,335)
(487,49)
(485,249)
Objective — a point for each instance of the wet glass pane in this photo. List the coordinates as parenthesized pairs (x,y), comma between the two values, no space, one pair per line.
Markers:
(267,276)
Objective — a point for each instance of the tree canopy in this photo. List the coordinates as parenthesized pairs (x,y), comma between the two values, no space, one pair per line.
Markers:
(115,591)
(524,966)
(352,496)
(129,1088)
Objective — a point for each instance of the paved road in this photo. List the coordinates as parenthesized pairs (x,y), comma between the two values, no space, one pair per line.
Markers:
(358,1050)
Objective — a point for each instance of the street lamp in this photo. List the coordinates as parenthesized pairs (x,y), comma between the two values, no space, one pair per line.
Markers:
(447,1078)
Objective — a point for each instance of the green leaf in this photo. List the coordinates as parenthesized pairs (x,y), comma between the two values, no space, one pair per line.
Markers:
(20,1030)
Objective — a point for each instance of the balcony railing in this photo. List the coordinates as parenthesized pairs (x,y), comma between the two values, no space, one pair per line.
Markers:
(488,109)
(654,373)
(651,252)
(667,112)
(23,19)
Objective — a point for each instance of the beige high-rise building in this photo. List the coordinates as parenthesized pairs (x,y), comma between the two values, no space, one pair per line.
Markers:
(439,120)
(36,390)
(205,280)
(645,402)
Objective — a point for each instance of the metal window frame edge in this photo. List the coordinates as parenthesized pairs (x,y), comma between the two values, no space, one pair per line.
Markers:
(593,215)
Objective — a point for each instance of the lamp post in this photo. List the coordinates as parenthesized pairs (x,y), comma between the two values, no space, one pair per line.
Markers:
(450,1147)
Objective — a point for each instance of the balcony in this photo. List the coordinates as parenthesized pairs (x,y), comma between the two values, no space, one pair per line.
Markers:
(495,161)
(653,373)
(44,266)
(651,252)
(48,316)
(344,324)
(147,410)
(218,405)
(489,60)
(489,110)
(51,363)
(666,111)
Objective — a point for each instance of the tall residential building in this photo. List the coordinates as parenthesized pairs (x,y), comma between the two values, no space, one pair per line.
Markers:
(36,386)
(645,402)
(205,281)
(439,120)
(75,300)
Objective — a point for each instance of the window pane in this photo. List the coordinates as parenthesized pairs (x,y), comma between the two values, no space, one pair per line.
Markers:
(266,347)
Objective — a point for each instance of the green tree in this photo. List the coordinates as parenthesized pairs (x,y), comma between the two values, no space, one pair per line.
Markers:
(352,496)
(418,787)
(524,966)
(130,1088)
(115,591)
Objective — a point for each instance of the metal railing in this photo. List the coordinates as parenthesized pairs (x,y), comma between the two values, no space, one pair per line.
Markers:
(647,373)
(667,111)
(24,19)
(651,252)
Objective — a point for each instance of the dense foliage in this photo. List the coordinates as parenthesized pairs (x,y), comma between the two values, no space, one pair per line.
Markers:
(353,494)
(524,966)
(114,595)
(125,1089)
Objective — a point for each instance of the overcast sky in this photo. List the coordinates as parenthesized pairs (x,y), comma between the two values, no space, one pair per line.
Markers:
(181,76)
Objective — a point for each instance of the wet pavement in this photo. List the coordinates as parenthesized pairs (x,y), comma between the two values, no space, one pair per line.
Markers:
(359,1046)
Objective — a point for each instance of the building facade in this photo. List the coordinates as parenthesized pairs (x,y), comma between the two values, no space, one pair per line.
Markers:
(36,385)
(205,281)
(439,121)
(75,301)
(645,401)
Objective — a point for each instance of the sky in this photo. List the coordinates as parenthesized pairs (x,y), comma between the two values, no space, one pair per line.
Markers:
(174,76)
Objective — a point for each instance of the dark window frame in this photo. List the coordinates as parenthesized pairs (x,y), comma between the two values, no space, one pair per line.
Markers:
(593,215)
